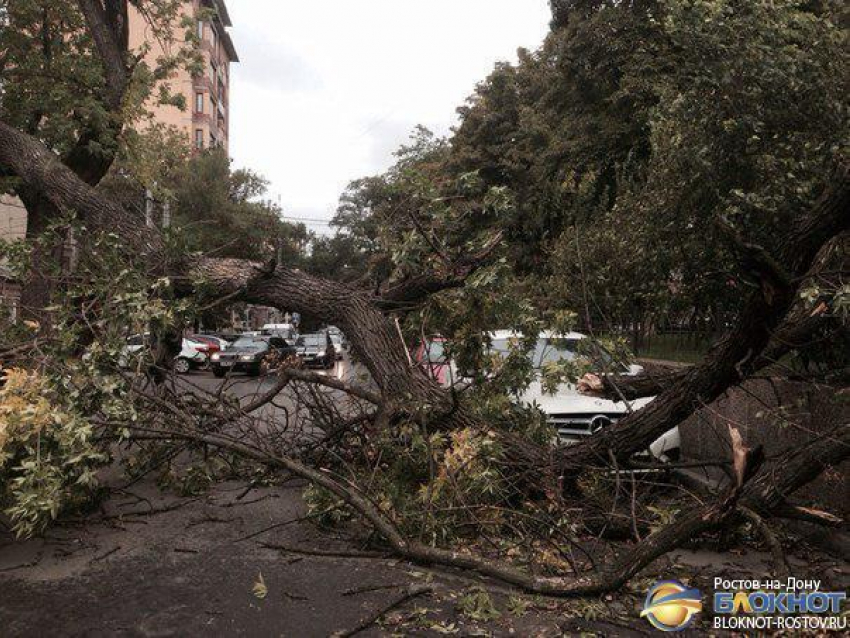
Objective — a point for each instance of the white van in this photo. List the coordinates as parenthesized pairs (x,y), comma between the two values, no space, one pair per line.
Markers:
(285,330)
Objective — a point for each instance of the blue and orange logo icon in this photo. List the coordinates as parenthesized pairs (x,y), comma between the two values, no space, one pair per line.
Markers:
(670,606)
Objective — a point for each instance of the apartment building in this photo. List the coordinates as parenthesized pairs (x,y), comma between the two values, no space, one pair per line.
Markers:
(205,121)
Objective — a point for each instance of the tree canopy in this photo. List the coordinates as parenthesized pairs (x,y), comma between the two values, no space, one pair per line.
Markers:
(226,213)
(634,143)
(651,160)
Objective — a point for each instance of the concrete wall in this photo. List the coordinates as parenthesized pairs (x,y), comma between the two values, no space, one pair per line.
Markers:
(13,218)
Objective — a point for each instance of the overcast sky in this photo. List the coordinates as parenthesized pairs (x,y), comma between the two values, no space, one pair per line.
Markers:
(327,89)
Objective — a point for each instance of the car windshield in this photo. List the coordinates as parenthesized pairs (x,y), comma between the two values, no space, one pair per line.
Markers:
(249,343)
(311,340)
(552,350)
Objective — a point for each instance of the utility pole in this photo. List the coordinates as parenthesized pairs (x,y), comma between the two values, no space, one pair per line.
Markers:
(166,214)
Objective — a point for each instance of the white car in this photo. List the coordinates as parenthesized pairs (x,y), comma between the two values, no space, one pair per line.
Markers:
(284,330)
(572,414)
(193,354)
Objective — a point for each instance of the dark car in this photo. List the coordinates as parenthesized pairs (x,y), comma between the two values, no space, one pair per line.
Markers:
(252,355)
(316,350)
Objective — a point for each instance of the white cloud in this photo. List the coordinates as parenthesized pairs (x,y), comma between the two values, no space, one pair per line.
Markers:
(327,89)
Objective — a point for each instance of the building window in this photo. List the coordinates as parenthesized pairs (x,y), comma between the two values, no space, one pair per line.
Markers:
(199,138)
(199,102)
(201,29)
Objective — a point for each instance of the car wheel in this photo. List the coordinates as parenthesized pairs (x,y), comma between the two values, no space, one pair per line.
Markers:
(219,372)
(182,366)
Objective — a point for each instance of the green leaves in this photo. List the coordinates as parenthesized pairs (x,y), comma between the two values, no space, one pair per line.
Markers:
(53,78)
(477,605)
(48,454)
(221,211)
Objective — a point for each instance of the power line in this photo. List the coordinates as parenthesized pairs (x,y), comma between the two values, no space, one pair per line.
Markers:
(313,221)
(307,220)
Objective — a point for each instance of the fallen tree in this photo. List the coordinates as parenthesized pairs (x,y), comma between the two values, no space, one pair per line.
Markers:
(406,395)
(752,489)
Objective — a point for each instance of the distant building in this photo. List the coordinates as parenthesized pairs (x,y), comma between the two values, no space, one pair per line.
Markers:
(205,120)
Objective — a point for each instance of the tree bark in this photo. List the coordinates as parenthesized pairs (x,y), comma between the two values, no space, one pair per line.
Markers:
(376,340)
(109,26)
(768,492)
(44,175)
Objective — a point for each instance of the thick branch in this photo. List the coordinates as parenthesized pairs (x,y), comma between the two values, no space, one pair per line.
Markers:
(793,334)
(615,576)
(42,172)
(315,378)
(109,29)
(768,492)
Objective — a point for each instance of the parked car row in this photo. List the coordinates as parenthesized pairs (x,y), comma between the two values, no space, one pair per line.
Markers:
(252,353)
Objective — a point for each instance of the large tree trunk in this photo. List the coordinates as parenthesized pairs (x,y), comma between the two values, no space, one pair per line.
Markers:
(376,340)
(35,294)
(90,158)
(763,493)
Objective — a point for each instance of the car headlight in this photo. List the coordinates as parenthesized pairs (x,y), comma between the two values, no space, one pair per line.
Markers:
(216,357)
(246,357)
(320,353)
